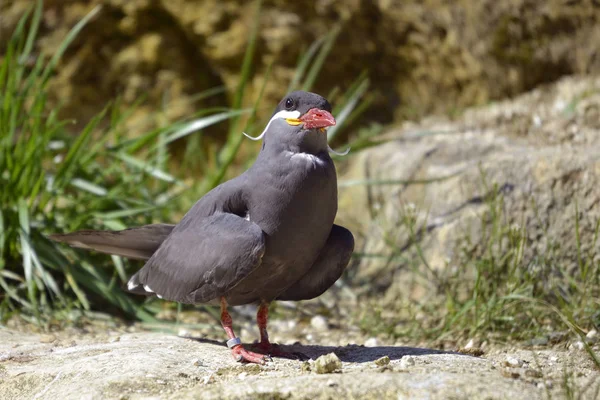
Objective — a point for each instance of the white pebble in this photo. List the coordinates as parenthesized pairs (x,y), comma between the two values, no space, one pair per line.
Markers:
(578,345)
(196,362)
(513,362)
(407,361)
(470,344)
(242,376)
(592,336)
(319,323)
(371,342)
(183,333)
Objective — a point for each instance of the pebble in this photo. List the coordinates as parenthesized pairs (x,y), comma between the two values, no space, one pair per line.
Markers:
(578,345)
(242,376)
(533,373)
(305,367)
(183,333)
(196,362)
(554,359)
(327,364)
(319,323)
(470,344)
(331,383)
(114,339)
(513,362)
(592,336)
(383,361)
(371,342)
(47,338)
(407,361)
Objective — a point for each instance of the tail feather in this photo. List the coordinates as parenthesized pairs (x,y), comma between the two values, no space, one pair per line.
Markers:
(138,243)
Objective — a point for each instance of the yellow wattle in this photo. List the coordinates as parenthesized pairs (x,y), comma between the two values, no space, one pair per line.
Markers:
(293,121)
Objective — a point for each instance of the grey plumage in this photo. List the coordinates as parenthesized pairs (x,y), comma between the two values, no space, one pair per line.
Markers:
(137,243)
(267,234)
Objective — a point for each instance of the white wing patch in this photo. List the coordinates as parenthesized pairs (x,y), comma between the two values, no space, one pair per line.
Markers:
(131,285)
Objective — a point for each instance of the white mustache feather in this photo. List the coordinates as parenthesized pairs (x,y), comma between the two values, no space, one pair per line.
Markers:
(280,114)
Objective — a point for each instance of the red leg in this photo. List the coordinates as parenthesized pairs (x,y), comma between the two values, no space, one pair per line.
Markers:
(262,316)
(237,350)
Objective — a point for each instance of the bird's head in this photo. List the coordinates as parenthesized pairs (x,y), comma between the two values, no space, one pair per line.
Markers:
(299,122)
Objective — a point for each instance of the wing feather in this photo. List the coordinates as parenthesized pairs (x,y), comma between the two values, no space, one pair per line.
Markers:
(209,252)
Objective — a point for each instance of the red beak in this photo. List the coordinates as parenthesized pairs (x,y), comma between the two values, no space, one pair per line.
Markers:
(315,118)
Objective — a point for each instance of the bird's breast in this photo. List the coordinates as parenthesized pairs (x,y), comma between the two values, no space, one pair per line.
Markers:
(296,202)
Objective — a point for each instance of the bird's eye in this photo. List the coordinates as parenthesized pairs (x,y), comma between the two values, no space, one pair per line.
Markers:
(289,103)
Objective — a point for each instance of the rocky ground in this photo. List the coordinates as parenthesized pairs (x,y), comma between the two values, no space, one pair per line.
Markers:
(115,364)
(542,148)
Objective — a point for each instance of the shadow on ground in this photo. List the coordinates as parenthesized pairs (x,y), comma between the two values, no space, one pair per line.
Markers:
(349,353)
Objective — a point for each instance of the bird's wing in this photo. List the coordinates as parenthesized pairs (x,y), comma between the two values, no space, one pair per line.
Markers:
(329,266)
(211,250)
(139,243)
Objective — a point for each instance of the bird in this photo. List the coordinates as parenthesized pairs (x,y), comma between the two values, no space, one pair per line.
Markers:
(265,235)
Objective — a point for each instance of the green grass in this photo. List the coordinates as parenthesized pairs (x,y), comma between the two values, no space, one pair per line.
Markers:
(490,291)
(55,180)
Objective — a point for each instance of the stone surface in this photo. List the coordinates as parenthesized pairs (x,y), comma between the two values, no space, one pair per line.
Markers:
(537,155)
(146,365)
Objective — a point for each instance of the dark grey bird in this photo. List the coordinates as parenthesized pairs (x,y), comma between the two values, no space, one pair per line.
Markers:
(265,235)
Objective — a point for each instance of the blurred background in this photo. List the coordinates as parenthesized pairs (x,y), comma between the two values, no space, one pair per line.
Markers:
(472,184)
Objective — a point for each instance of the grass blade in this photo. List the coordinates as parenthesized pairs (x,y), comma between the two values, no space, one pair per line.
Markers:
(202,123)
(67,42)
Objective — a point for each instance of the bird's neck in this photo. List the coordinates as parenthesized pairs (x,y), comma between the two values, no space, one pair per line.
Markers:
(313,143)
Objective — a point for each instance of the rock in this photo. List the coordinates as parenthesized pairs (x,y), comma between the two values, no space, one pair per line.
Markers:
(470,344)
(592,336)
(121,370)
(513,362)
(578,345)
(208,379)
(183,332)
(371,342)
(407,361)
(305,367)
(450,57)
(383,361)
(539,341)
(319,323)
(327,364)
(486,148)
(533,373)
(114,339)
(47,338)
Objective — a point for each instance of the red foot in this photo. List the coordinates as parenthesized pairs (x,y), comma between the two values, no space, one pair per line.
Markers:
(240,354)
(274,350)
